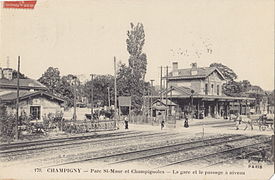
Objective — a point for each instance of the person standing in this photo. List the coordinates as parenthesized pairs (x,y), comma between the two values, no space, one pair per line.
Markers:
(186,125)
(161,121)
(126,122)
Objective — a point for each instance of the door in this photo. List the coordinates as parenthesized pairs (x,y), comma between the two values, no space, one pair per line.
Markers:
(35,112)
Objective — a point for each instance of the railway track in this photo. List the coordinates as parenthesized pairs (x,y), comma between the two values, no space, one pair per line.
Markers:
(184,149)
(19,150)
(128,156)
(231,157)
(214,154)
(59,140)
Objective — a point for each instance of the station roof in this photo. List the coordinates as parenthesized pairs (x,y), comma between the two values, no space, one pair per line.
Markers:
(186,93)
(23,84)
(23,95)
(202,72)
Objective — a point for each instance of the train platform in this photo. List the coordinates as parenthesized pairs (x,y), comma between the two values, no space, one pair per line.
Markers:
(206,126)
(197,127)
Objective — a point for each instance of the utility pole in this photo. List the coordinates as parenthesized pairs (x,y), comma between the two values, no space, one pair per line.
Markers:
(92,97)
(161,82)
(109,101)
(115,93)
(151,101)
(17,101)
(74,115)
(166,95)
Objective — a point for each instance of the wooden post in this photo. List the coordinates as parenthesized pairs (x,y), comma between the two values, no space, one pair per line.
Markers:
(246,108)
(17,101)
(240,108)
(273,148)
(92,97)
(198,111)
(74,115)
(209,110)
(115,122)
(161,82)
(151,103)
(203,109)
(109,101)
(166,95)
(130,109)
(216,109)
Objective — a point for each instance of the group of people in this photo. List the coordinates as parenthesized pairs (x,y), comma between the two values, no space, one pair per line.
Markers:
(162,122)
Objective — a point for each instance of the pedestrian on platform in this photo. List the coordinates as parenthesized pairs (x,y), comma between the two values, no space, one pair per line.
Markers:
(162,124)
(238,121)
(186,125)
(161,120)
(126,122)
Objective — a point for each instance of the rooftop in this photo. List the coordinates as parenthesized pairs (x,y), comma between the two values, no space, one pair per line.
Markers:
(23,84)
(201,72)
(11,96)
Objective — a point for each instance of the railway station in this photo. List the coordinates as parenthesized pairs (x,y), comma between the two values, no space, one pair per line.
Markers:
(198,90)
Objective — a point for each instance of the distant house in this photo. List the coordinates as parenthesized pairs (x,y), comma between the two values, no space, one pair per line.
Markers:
(200,89)
(160,105)
(34,101)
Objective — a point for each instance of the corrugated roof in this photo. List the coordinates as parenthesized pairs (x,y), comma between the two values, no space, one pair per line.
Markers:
(23,83)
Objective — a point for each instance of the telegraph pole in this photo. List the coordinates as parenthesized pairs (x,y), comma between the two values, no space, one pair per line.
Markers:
(161,82)
(92,97)
(109,101)
(166,95)
(74,115)
(115,92)
(151,101)
(17,101)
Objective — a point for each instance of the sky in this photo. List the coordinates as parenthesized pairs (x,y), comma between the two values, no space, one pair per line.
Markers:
(83,36)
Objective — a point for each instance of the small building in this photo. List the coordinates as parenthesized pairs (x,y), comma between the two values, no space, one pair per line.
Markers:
(34,100)
(161,105)
(33,104)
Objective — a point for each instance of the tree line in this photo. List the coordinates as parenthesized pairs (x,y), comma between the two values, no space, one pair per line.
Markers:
(130,77)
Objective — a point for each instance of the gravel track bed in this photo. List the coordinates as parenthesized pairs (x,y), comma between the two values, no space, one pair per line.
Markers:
(65,141)
(126,149)
(69,146)
(184,155)
(232,156)
(171,148)
(73,150)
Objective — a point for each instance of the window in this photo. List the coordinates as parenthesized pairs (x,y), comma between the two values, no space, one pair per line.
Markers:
(212,89)
(206,89)
(218,89)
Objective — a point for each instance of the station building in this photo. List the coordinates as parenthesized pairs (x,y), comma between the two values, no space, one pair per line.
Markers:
(199,89)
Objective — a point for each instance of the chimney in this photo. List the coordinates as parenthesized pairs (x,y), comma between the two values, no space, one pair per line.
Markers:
(7,73)
(175,71)
(194,65)
(194,70)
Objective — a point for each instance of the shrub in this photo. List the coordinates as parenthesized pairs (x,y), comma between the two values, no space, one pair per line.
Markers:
(7,124)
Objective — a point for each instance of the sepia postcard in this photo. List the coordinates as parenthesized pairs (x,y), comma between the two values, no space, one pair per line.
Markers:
(137,89)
